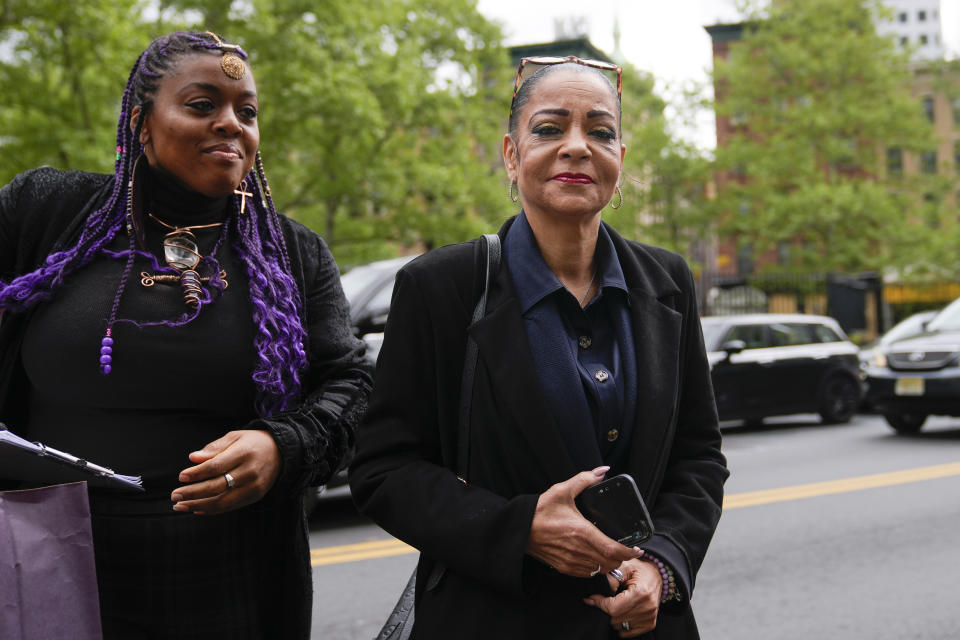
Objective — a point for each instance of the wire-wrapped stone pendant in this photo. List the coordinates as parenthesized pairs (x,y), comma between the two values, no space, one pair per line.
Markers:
(180,250)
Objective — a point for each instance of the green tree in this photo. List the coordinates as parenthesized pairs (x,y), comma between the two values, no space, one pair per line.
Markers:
(380,126)
(664,176)
(379,122)
(62,68)
(816,99)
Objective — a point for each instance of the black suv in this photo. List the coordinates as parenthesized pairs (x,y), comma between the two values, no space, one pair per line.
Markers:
(779,364)
(913,378)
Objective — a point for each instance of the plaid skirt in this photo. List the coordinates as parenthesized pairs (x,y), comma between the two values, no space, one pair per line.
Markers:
(182,576)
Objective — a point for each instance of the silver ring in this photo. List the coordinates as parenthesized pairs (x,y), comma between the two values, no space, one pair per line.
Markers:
(595,572)
(231,483)
(617,575)
(625,625)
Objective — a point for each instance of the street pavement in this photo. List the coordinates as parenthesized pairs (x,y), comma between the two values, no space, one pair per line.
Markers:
(845,532)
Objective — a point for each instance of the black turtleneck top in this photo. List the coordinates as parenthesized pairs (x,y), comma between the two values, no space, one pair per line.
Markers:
(172,389)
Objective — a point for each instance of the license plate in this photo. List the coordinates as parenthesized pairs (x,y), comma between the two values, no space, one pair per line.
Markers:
(909,387)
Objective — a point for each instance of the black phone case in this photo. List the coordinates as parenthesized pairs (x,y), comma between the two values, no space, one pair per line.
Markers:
(616,508)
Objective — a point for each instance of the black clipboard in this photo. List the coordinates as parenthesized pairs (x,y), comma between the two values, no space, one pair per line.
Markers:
(36,464)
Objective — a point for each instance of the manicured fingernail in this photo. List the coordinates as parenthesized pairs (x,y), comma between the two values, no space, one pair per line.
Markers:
(183,477)
(176,497)
(601,471)
(638,551)
(180,507)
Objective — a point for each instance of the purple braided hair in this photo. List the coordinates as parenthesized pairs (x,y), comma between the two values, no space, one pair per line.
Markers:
(257,238)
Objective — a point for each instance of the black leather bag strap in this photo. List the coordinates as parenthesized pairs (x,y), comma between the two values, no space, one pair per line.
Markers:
(492,242)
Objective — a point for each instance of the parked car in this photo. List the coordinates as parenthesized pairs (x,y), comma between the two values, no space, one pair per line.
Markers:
(910,379)
(368,288)
(779,364)
(910,326)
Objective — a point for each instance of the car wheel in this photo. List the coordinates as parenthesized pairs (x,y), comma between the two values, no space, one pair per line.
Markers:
(905,422)
(838,399)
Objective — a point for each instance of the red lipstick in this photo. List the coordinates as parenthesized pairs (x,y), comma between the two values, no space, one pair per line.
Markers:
(573,178)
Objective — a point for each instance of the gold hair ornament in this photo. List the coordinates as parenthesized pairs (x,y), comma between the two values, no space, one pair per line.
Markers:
(231,63)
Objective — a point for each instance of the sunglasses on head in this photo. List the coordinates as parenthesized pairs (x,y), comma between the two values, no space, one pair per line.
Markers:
(550,60)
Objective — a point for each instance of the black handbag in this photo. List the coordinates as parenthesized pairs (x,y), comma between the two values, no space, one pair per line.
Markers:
(400,623)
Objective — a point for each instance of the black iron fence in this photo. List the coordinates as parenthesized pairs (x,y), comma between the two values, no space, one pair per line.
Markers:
(862,303)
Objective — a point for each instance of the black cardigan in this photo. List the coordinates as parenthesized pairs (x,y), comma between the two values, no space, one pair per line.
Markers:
(43,210)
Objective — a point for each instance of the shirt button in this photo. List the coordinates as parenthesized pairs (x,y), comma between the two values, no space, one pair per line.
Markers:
(601,375)
(612,435)
(584,342)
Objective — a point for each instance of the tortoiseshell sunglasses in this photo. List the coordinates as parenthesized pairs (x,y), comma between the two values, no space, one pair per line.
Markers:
(549,60)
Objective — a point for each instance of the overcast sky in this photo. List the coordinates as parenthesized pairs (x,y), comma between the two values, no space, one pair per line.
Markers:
(665,37)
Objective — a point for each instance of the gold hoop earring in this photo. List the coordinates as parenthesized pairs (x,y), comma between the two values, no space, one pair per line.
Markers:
(514,198)
(619,201)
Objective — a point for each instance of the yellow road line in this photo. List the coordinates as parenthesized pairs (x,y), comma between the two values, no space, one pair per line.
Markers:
(359,551)
(392,547)
(846,485)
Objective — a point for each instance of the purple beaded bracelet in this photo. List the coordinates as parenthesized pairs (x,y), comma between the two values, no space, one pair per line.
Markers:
(668,588)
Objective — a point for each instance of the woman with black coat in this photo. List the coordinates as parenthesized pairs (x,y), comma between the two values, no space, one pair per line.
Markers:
(590,363)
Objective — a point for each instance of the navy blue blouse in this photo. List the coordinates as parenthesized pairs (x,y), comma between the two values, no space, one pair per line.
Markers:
(584,357)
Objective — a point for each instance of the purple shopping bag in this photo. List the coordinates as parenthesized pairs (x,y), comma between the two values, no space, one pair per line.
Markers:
(48,581)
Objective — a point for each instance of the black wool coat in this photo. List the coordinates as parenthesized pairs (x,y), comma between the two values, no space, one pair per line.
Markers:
(44,210)
(474,579)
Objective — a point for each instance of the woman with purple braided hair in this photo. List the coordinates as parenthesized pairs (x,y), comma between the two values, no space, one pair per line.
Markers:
(165,320)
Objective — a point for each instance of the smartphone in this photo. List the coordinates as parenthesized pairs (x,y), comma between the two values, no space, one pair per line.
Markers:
(615,507)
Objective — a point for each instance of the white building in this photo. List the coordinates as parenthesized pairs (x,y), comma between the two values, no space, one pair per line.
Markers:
(916,23)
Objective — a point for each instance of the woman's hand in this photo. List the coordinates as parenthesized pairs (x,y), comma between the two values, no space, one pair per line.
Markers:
(563,539)
(250,457)
(637,604)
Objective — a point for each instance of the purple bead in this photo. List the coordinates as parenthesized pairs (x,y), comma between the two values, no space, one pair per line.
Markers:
(107,341)
(106,369)
(106,350)
(106,359)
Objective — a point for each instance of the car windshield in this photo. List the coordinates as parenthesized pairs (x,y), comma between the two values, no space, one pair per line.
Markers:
(948,319)
(358,280)
(712,332)
(911,326)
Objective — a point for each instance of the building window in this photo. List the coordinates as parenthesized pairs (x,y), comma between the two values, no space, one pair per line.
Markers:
(928,107)
(894,162)
(783,253)
(904,40)
(923,38)
(928,162)
(931,214)
(902,17)
(745,259)
(922,15)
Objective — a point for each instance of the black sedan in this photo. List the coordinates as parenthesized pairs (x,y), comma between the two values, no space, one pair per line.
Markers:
(911,379)
(779,364)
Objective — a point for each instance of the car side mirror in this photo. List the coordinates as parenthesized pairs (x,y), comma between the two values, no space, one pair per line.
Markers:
(733,346)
